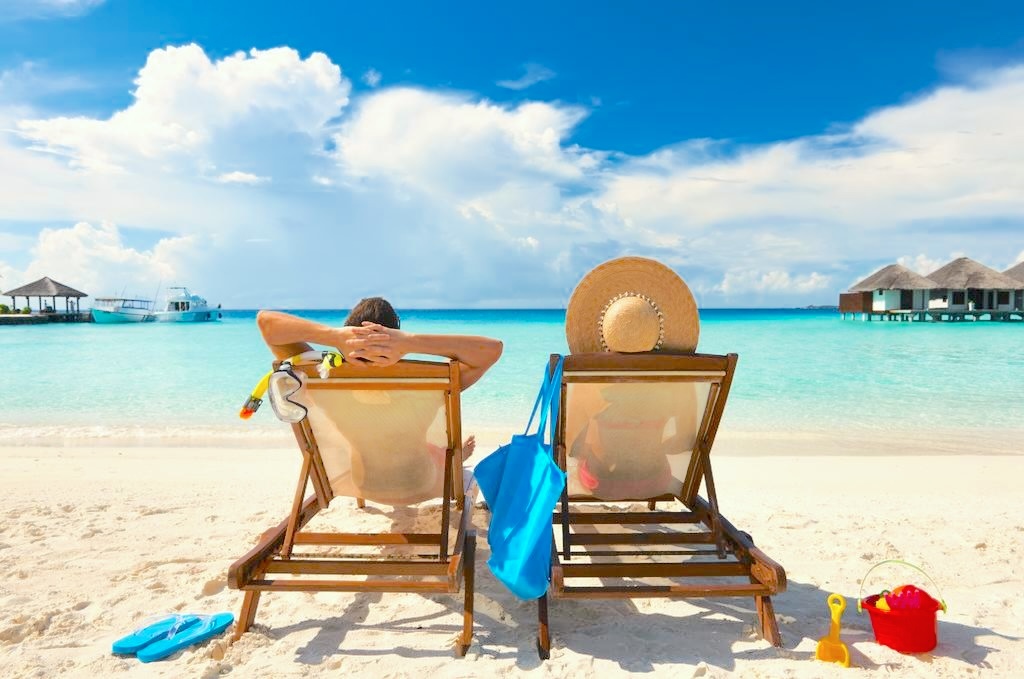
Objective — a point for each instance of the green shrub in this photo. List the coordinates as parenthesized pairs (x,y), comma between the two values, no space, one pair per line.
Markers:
(4,309)
(26,310)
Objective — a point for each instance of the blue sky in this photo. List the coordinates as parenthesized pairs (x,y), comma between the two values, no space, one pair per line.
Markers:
(759,148)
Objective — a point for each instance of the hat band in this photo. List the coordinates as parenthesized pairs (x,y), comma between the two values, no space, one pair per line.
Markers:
(624,295)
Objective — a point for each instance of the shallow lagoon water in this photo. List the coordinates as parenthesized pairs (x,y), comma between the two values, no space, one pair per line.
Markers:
(799,370)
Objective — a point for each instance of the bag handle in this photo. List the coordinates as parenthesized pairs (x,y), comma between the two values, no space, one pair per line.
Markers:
(552,383)
(860,594)
(550,404)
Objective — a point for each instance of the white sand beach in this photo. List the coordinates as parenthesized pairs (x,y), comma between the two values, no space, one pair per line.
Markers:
(97,538)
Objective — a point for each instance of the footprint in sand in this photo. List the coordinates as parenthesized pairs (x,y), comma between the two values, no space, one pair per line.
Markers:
(80,605)
(213,586)
(215,671)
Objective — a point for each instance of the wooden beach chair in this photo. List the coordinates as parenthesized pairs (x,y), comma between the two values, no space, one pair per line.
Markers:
(390,435)
(640,427)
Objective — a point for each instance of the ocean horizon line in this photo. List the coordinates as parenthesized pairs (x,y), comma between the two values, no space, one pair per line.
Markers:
(822,307)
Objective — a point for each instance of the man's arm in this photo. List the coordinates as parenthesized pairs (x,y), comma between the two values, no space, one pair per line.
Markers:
(475,354)
(288,335)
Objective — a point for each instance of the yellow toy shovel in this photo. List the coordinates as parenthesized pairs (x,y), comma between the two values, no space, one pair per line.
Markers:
(830,649)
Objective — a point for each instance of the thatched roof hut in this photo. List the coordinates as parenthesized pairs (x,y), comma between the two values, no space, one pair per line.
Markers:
(894,277)
(46,287)
(965,273)
(1016,272)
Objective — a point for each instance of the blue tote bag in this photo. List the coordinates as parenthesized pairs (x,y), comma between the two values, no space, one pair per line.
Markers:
(522,485)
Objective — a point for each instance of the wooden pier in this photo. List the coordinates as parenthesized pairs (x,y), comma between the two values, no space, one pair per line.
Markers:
(937,315)
(39,319)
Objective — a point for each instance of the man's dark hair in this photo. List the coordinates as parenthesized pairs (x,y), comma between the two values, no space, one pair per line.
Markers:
(376,310)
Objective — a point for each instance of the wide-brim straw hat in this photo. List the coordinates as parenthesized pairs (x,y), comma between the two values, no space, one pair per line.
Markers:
(632,305)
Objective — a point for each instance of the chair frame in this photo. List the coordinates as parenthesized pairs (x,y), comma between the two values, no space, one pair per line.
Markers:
(714,535)
(436,571)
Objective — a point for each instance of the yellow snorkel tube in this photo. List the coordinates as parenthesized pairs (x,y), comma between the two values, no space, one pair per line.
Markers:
(326,359)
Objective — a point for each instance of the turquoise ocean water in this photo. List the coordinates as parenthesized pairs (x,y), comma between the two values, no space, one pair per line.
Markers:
(799,370)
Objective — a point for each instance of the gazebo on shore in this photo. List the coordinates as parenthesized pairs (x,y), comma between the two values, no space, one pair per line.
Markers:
(47,287)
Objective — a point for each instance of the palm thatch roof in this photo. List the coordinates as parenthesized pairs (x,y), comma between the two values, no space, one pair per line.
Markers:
(894,277)
(45,287)
(964,273)
(1016,272)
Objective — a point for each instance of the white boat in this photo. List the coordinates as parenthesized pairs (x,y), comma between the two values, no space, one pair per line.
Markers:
(184,307)
(122,310)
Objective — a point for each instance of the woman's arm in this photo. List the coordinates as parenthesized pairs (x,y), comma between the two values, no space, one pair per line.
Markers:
(288,335)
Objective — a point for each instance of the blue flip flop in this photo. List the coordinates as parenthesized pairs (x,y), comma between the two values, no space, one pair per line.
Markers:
(155,631)
(209,626)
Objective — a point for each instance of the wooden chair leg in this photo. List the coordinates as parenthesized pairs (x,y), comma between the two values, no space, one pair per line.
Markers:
(469,570)
(248,614)
(766,618)
(652,505)
(543,633)
(361,503)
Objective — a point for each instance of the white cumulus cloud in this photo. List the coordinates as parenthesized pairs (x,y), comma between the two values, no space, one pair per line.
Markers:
(191,113)
(456,145)
(95,259)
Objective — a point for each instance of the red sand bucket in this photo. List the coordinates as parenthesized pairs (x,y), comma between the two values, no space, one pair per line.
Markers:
(907,630)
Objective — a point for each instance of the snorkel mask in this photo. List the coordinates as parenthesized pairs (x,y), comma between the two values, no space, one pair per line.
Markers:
(284,382)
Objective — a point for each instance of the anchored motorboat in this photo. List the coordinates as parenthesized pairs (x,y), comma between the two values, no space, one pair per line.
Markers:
(122,310)
(184,307)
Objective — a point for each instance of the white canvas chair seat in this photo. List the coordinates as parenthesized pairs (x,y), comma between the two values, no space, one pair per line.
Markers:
(383,446)
(631,441)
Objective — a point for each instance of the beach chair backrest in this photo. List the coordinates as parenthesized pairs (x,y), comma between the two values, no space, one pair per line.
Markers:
(388,435)
(633,425)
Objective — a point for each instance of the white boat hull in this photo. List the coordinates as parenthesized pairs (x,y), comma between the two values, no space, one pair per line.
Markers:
(122,316)
(201,316)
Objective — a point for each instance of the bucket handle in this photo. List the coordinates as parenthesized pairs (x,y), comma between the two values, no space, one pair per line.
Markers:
(904,563)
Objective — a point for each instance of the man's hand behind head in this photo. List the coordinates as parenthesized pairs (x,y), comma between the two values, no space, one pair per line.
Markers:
(378,345)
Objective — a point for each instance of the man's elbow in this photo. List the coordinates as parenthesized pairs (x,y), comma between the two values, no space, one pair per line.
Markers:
(496,348)
(264,319)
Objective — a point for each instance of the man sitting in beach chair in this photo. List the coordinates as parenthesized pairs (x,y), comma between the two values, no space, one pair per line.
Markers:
(374,428)
(371,336)
(637,422)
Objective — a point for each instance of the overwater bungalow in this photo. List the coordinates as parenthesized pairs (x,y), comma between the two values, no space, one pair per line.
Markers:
(961,290)
(1017,274)
(967,285)
(891,289)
